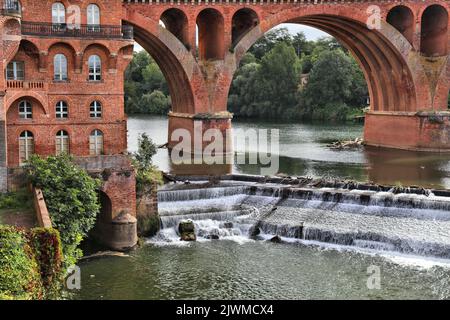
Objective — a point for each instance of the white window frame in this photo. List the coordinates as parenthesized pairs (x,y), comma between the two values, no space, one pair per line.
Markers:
(62,142)
(26,140)
(62,110)
(96,143)
(25,110)
(18,73)
(96,109)
(93,14)
(95,68)
(58,13)
(60,72)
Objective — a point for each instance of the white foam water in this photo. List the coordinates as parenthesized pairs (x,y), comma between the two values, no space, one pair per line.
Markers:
(404,224)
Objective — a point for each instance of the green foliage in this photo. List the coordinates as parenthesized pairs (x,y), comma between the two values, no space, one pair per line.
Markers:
(146,173)
(146,151)
(16,200)
(155,103)
(48,252)
(267,88)
(148,226)
(30,263)
(146,90)
(335,84)
(71,198)
(19,270)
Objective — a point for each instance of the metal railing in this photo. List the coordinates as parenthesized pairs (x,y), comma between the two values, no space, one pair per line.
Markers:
(11,8)
(76,31)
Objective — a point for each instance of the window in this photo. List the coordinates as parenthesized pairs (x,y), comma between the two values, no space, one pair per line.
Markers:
(96,109)
(93,17)
(62,110)
(95,68)
(96,143)
(62,142)
(15,70)
(26,146)
(58,13)
(25,110)
(60,66)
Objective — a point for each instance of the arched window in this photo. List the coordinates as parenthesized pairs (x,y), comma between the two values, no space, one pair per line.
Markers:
(93,14)
(25,110)
(26,146)
(58,13)
(60,67)
(95,68)
(96,143)
(93,17)
(62,142)
(96,109)
(62,111)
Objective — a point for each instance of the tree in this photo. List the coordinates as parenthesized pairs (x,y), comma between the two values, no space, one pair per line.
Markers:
(270,39)
(71,198)
(155,103)
(279,76)
(330,79)
(146,150)
(146,89)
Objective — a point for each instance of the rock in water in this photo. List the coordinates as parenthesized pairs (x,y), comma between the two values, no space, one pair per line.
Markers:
(276,239)
(228,225)
(187,230)
(254,232)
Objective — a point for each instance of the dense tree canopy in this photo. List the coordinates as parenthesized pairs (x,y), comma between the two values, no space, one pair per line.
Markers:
(146,89)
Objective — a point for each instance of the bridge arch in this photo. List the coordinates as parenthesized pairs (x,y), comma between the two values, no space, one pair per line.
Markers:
(242,22)
(173,58)
(434,32)
(391,82)
(402,18)
(176,21)
(211,39)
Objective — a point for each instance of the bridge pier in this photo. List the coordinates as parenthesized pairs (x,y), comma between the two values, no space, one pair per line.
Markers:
(418,131)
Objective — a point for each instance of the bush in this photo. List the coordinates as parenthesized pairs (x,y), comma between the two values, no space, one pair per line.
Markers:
(16,200)
(71,198)
(30,263)
(19,270)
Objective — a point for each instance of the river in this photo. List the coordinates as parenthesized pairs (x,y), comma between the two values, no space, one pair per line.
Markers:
(304,152)
(237,267)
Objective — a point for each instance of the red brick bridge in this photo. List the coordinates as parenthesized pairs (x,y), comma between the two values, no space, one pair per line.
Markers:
(404,56)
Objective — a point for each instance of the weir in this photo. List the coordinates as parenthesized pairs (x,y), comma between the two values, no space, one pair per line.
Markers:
(406,223)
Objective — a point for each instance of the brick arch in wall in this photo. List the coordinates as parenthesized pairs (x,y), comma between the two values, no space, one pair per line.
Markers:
(36,99)
(382,54)
(98,49)
(176,62)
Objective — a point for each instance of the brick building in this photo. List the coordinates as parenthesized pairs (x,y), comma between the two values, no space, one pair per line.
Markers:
(61,92)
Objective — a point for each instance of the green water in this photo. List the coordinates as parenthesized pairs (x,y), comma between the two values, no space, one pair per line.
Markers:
(257,270)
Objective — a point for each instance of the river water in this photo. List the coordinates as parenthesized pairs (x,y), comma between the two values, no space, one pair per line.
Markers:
(396,249)
(303,152)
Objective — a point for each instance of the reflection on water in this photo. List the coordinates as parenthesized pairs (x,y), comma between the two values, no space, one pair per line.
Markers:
(303,152)
(255,270)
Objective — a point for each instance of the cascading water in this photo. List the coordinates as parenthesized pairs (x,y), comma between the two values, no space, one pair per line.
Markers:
(417,224)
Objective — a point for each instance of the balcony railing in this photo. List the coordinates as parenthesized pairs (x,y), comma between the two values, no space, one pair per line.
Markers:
(76,31)
(11,8)
(24,85)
